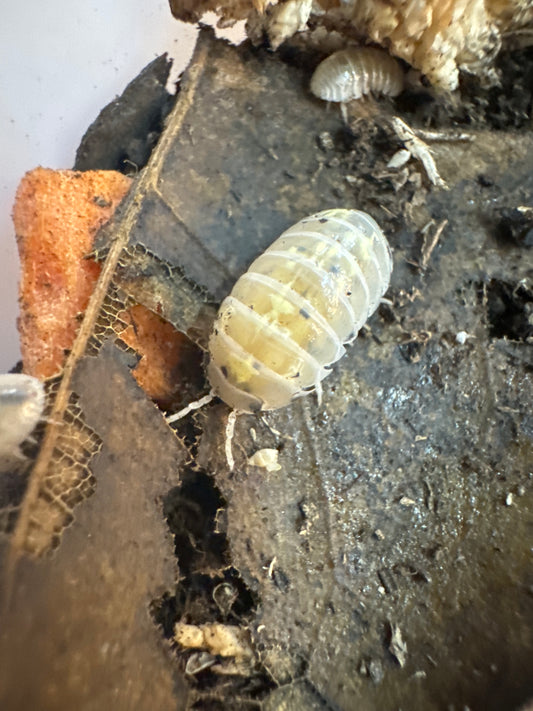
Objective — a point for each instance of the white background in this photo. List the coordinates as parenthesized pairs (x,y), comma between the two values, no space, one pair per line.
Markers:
(60,63)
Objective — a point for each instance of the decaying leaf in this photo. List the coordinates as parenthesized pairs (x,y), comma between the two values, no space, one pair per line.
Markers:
(322,550)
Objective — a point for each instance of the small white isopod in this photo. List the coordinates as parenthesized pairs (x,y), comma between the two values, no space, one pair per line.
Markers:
(354,72)
(22,400)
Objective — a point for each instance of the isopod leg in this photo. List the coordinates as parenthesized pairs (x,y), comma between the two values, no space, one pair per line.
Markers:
(344,112)
(230,430)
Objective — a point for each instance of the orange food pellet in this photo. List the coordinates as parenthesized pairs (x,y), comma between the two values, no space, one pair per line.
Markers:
(57,214)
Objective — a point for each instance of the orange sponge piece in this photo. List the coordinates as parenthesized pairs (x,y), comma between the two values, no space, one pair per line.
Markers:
(57,214)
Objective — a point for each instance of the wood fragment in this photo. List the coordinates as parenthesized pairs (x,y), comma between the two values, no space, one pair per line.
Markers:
(397,646)
(419,150)
(429,244)
(446,136)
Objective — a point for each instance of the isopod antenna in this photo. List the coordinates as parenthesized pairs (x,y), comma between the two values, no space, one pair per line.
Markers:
(196,405)
(230,425)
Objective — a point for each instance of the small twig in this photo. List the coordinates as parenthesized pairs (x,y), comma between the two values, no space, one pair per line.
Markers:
(271,566)
(429,245)
(419,150)
(451,136)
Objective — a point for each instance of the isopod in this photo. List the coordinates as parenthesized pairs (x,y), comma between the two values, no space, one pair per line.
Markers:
(22,401)
(354,72)
(286,319)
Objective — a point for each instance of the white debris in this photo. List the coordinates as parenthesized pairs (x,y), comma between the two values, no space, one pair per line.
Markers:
(462,337)
(399,159)
(267,458)
(397,646)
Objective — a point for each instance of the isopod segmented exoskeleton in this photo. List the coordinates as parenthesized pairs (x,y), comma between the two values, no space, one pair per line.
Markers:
(286,319)
(354,72)
(22,401)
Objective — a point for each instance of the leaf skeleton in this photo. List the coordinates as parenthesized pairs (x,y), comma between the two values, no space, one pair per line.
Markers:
(288,318)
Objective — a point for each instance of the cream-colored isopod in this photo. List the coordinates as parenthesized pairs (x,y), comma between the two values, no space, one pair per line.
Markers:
(284,324)
(355,72)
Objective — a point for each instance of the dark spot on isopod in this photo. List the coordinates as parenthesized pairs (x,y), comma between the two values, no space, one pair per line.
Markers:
(256,407)
(322,220)
(257,365)
(334,269)
(348,293)
(224,371)
(304,313)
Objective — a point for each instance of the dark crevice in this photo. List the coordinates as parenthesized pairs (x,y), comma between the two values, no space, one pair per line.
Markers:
(509,310)
(210,590)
